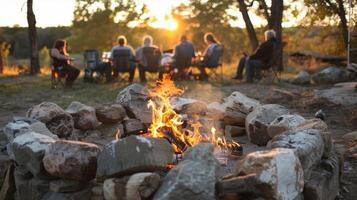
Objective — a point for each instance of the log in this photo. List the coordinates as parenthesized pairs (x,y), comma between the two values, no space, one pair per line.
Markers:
(137,186)
(240,184)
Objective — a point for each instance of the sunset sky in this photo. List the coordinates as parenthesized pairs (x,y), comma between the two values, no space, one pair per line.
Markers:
(13,12)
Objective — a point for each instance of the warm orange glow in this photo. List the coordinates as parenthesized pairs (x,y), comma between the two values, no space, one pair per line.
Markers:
(169,24)
(15,71)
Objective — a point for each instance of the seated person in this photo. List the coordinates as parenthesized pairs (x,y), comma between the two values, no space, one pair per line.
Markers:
(149,57)
(61,62)
(261,58)
(123,59)
(183,55)
(212,43)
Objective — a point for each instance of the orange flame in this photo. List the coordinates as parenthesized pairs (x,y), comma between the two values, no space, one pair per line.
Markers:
(165,119)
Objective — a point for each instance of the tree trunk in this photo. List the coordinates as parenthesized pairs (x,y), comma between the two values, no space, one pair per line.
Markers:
(1,61)
(34,57)
(275,22)
(343,22)
(248,24)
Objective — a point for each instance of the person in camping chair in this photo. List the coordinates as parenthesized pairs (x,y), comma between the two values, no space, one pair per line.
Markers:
(262,57)
(148,57)
(183,55)
(61,62)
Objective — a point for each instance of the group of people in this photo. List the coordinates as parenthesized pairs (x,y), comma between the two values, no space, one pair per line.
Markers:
(184,56)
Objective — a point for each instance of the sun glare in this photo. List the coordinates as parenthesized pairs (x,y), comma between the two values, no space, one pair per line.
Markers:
(169,24)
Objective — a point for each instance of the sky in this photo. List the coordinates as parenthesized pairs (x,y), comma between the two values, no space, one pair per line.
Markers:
(13,12)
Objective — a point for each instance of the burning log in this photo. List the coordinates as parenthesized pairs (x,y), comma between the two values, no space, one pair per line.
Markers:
(180,144)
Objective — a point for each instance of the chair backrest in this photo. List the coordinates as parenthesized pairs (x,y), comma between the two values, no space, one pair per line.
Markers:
(152,56)
(91,58)
(215,59)
(273,60)
(121,59)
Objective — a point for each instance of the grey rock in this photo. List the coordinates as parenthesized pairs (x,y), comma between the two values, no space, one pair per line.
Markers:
(284,123)
(30,189)
(29,150)
(278,172)
(308,145)
(84,194)
(135,99)
(234,131)
(133,154)
(188,106)
(108,114)
(39,127)
(8,187)
(133,127)
(71,160)
(235,118)
(84,116)
(193,178)
(56,119)
(331,75)
(239,102)
(342,94)
(63,185)
(257,122)
(302,78)
(15,128)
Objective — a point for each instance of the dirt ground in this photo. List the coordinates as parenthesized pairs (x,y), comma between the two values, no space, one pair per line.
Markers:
(18,94)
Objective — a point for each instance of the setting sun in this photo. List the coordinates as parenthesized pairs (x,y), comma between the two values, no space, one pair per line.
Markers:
(169,24)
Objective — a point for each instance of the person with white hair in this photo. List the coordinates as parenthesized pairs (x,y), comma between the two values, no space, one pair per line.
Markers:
(148,55)
(261,58)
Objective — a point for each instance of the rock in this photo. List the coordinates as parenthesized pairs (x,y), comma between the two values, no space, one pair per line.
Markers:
(234,131)
(284,123)
(133,127)
(110,113)
(15,128)
(104,134)
(133,154)
(278,172)
(29,150)
(188,106)
(276,95)
(56,119)
(215,110)
(135,99)
(137,186)
(84,194)
(239,102)
(63,185)
(342,94)
(324,182)
(352,136)
(71,160)
(308,145)
(30,189)
(235,118)
(5,163)
(331,75)
(39,127)
(323,130)
(257,122)
(8,187)
(302,78)
(193,178)
(84,116)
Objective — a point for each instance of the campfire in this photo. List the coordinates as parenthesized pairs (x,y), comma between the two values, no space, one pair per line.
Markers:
(167,123)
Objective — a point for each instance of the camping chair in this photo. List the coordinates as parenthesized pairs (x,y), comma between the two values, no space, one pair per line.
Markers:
(152,56)
(57,76)
(270,70)
(122,59)
(214,62)
(91,62)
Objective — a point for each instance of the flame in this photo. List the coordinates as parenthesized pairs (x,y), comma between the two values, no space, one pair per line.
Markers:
(18,70)
(117,135)
(167,123)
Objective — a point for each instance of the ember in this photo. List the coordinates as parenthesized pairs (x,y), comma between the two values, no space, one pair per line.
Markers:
(168,124)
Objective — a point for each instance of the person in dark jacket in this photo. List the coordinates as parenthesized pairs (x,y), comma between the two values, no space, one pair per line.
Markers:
(262,57)
(183,55)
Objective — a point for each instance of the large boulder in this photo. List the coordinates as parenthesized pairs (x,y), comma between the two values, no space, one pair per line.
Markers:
(133,154)
(29,150)
(239,102)
(71,160)
(84,116)
(188,106)
(302,78)
(137,186)
(307,143)
(132,127)
(30,189)
(284,123)
(331,75)
(135,99)
(108,114)
(58,121)
(193,178)
(278,172)
(257,122)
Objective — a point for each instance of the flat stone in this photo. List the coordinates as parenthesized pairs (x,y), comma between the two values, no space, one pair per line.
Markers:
(257,122)
(110,113)
(56,119)
(72,160)
(63,185)
(331,75)
(284,123)
(193,178)
(84,116)
(188,106)
(234,131)
(133,154)
(308,145)
(341,94)
(135,99)
(29,150)
(84,194)
(278,172)
(239,102)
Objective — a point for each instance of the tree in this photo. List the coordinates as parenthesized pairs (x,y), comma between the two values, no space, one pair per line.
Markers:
(248,24)
(34,56)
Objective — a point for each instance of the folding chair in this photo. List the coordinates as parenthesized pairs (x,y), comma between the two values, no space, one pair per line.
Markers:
(57,76)
(215,62)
